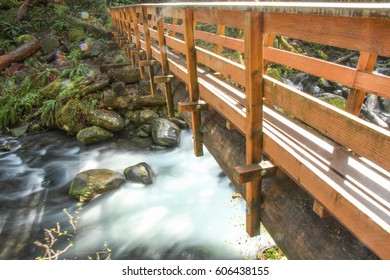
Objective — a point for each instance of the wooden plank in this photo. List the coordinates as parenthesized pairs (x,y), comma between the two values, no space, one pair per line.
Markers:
(255,172)
(174,23)
(331,71)
(137,38)
(164,61)
(330,190)
(358,79)
(356,97)
(362,137)
(174,28)
(223,41)
(220,17)
(253,34)
(176,44)
(149,55)
(226,67)
(193,86)
(193,106)
(370,35)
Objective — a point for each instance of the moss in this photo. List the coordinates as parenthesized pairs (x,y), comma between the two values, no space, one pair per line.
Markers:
(76,35)
(274,73)
(322,54)
(337,102)
(24,39)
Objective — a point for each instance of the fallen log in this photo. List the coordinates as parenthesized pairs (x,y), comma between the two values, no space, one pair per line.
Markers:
(19,53)
(286,209)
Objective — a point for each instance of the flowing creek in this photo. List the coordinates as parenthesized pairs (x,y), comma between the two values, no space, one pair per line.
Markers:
(188,213)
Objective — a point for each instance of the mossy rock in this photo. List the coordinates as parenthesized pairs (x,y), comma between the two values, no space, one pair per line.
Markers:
(93,134)
(52,90)
(274,73)
(49,43)
(23,39)
(107,119)
(69,117)
(87,184)
(334,100)
(165,133)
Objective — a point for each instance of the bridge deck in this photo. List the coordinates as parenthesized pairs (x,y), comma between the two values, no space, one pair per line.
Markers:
(348,186)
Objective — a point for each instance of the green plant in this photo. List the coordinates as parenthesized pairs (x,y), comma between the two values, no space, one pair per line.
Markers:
(10,30)
(273,253)
(76,73)
(48,112)
(45,76)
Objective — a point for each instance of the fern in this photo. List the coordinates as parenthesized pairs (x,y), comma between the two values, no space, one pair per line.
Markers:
(48,112)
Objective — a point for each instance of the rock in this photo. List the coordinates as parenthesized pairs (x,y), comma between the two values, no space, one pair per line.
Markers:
(144,130)
(93,134)
(334,100)
(383,71)
(140,173)
(316,90)
(19,131)
(109,120)
(165,133)
(385,104)
(34,128)
(97,48)
(90,183)
(118,88)
(126,74)
(180,123)
(68,117)
(53,89)
(49,44)
(144,88)
(325,84)
(143,117)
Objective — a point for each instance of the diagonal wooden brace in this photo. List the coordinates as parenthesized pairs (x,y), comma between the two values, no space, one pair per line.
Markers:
(193,106)
(254,172)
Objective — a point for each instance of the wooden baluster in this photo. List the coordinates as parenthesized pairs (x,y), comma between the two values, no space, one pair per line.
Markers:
(253,33)
(193,86)
(149,55)
(137,40)
(220,31)
(164,60)
(356,97)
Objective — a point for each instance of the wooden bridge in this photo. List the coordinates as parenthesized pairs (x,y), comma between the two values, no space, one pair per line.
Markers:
(342,161)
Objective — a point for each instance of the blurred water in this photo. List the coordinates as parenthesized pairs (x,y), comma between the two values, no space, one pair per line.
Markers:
(188,213)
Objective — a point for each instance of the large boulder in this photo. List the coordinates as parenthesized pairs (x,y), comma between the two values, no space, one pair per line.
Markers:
(94,134)
(165,133)
(126,74)
(140,173)
(109,120)
(89,183)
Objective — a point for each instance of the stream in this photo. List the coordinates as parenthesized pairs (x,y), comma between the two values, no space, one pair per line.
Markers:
(190,212)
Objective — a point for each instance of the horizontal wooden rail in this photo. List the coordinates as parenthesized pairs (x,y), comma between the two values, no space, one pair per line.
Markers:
(338,158)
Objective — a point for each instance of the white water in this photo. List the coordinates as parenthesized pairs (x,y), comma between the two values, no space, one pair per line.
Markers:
(188,212)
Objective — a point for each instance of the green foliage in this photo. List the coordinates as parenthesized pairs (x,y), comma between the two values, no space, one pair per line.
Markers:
(322,54)
(5,46)
(76,73)
(48,112)
(76,35)
(273,253)
(10,30)
(43,77)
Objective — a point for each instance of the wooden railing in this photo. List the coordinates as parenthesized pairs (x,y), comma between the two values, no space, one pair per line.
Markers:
(348,176)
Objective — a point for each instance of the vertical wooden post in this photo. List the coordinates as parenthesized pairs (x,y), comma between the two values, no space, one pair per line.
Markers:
(193,86)
(149,55)
(137,41)
(253,32)
(220,31)
(356,97)
(164,60)
(174,22)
